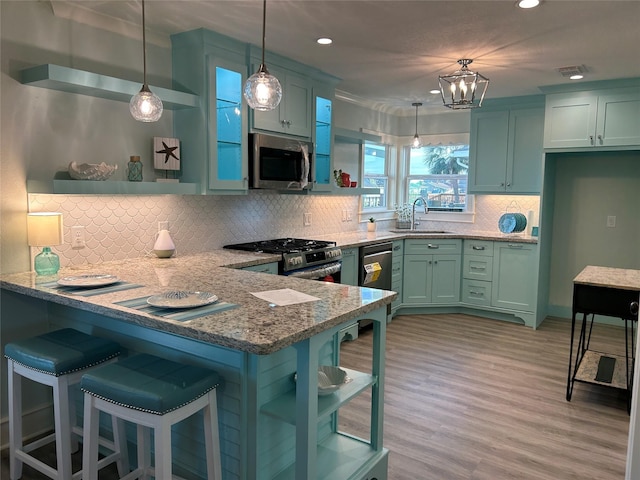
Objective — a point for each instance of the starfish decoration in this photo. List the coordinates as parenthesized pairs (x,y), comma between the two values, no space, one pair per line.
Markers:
(168,152)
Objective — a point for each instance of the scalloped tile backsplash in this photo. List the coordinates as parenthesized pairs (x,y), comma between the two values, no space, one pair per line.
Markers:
(125,226)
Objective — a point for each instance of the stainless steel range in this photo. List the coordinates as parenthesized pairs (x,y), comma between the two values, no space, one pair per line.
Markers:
(312,259)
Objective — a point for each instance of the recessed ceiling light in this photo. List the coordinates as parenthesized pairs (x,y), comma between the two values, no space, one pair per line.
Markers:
(576,77)
(528,3)
(324,41)
(435,91)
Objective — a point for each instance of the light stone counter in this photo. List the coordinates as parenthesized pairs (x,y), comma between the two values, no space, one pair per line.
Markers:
(253,326)
(621,278)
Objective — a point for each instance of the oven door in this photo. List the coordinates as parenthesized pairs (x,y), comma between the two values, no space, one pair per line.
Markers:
(329,272)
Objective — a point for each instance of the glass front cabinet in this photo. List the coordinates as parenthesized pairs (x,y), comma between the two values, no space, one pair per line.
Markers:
(323,145)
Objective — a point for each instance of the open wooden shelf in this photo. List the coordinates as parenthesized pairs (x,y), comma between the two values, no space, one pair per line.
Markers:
(110,187)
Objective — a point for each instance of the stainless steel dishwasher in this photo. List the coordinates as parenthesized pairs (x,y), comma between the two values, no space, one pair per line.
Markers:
(375,266)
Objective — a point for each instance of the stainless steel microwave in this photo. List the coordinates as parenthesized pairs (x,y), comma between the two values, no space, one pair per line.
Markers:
(280,163)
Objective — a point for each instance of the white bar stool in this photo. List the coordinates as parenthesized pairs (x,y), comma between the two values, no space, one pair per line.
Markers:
(153,393)
(57,359)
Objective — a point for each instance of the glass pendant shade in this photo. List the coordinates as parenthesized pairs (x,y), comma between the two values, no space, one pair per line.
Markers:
(263,91)
(146,106)
(417,142)
(43,230)
(463,89)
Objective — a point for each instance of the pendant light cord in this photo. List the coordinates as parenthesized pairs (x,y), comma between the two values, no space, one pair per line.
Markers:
(264,26)
(144,49)
(417,119)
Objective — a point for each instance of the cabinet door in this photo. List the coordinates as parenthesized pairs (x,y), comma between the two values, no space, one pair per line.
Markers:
(349,272)
(618,121)
(514,285)
(525,153)
(297,113)
(271,120)
(570,121)
(416,279)
(228,162)
(488,151)
(396,272)
(445,279)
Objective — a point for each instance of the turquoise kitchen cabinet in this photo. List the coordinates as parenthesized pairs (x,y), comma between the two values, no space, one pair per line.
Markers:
(294,114)
(349,272)
(396,272)
(506,150)
(323,144)
(515,276)
(431,272)
(597,118)
(477,272)
(214,135)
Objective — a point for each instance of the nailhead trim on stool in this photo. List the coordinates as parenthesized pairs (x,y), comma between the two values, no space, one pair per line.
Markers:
(57,359)
(153,393)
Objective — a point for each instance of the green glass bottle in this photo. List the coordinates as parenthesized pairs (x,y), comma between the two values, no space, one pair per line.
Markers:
(134,169)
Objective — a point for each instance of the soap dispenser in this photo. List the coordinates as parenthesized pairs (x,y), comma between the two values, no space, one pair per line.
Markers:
(164,246)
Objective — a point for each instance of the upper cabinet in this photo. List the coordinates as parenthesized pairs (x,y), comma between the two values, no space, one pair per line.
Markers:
(294,114)
(597,118)
(323,145)
(506,150)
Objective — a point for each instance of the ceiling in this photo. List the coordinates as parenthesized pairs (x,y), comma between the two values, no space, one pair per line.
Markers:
(390,53)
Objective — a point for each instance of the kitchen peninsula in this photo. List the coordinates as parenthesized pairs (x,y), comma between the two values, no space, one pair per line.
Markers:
(271,426)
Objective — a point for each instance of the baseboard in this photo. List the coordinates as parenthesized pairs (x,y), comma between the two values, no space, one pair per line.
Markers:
(36,423)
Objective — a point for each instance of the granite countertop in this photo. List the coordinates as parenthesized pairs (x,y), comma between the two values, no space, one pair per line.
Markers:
(621,278)
(358,239)
(254,326)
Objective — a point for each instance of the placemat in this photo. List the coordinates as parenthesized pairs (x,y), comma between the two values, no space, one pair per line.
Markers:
(90,291)
(181,315)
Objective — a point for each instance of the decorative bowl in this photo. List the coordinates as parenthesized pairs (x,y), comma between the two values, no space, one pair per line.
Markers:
(91,171)
(330,379)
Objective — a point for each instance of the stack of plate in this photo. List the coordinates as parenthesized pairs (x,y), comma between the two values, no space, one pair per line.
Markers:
(512,222)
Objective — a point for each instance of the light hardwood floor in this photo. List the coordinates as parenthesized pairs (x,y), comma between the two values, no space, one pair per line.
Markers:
(468,398)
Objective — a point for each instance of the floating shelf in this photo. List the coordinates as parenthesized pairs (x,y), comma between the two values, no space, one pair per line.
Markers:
(110,187)
(55,77)
(336,191)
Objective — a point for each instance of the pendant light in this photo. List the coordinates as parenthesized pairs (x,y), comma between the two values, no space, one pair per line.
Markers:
(459,89)
(417,143)
(145,106)
(262,90)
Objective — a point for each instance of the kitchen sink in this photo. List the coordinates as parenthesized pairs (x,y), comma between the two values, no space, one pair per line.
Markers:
(420,232)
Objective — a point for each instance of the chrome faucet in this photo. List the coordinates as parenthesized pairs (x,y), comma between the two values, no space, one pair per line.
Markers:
(413,211)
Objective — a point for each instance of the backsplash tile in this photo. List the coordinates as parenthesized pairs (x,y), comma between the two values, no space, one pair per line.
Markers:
(125,226)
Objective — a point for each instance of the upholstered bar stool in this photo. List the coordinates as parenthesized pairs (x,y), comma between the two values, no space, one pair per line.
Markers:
(154,393)
(57,359)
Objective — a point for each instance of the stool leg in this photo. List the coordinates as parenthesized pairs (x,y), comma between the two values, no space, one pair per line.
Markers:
(162,443)
(120,444)
(63,427)
(212,438)
(144,451)
(90,434)
(14,391)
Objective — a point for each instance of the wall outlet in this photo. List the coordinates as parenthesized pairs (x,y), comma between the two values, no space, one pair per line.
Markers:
(611,221)
(307,219)
(344,214)
(349,216)
(164,225)
(78,237)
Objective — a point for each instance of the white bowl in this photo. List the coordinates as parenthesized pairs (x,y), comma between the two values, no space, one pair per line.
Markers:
(91,171)
(330,379)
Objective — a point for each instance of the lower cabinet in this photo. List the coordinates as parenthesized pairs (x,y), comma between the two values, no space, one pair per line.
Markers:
(431,278)
(514,284)
(349,271)
(396,272)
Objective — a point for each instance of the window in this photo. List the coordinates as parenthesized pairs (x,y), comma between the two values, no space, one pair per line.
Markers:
(375,175)
(438,173)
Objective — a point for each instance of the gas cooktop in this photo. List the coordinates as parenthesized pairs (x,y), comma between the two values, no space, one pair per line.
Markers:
(282,245)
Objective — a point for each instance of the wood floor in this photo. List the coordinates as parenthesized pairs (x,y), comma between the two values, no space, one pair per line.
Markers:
(468,398)
(474,399)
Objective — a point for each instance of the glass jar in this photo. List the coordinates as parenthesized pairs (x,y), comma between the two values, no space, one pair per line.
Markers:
(134,169)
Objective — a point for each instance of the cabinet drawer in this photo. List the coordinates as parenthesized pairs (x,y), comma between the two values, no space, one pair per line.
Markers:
(611,302)
(478,247)
(419,246)
(476,267)
(476,292)
(398,249)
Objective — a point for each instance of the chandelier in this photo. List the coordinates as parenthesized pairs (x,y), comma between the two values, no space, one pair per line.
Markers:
(463,89)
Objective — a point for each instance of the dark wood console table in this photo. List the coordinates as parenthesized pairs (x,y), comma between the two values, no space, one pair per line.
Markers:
(613,292)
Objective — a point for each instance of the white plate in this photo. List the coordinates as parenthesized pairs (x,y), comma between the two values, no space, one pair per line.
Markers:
(89,280)
(182,299)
